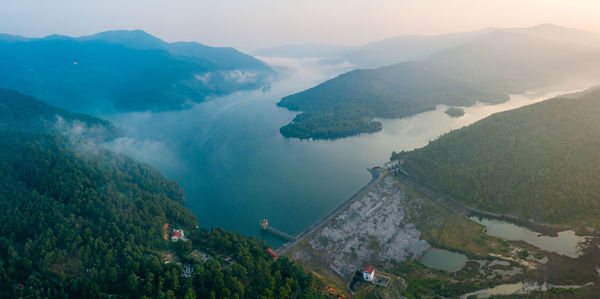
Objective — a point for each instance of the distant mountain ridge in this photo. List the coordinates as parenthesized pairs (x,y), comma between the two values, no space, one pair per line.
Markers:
(405,48)
(486,69)
(125,71)
(305,50)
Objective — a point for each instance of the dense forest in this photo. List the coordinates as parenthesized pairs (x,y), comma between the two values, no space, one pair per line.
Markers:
(481,69)
(19,112)
(124,71)
(79,221)
(330,125)
(540,162)
(344,106)
(455,112)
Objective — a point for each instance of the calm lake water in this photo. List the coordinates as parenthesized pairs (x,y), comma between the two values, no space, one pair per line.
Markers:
(566,243)
(236,168)
(444,259)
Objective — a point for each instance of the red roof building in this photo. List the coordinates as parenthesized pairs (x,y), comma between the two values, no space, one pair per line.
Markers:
(176,235)
(272,253)
(369,273)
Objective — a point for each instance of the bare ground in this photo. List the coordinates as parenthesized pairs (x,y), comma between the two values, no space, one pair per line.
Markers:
(373,230)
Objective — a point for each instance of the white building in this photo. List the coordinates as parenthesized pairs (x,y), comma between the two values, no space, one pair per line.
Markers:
(390,164)
(369,273)
(177,235)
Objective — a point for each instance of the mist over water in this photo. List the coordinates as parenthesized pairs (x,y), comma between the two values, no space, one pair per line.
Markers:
(236,168)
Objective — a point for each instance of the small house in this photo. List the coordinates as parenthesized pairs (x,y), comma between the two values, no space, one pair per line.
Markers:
(369,273)
(177,234)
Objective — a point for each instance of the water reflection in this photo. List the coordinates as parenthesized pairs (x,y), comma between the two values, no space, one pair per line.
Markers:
(566,243)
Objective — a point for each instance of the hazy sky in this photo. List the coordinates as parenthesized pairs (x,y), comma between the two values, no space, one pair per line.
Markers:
(251,24)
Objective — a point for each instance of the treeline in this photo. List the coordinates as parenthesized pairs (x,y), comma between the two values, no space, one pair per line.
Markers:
(80,222)
(540,162)
(331,125)
(396,91)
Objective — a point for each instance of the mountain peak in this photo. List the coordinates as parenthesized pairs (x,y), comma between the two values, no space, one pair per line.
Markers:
(138,39)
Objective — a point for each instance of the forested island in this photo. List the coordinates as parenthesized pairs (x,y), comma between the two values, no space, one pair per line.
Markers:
(537,162)
(461,75)
(330,125)
(80,221)
(455,112)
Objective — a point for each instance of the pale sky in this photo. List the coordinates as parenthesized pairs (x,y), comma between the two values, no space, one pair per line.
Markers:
(252,24)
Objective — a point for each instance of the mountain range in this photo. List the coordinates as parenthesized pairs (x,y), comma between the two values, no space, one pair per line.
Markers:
(124,71)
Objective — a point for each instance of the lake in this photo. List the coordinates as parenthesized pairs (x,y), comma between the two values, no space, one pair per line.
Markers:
(236,169)
(444,259)
(565,243)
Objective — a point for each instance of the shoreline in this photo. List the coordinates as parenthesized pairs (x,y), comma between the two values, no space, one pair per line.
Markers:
(375,177)
(452,204)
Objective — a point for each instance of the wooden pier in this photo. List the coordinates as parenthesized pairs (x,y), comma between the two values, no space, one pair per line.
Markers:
(264,225)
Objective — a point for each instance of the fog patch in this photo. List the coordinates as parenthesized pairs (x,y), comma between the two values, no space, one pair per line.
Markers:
(82,137)
(241,77)
(149,151)
(93,140)
(204,78)
(78,130)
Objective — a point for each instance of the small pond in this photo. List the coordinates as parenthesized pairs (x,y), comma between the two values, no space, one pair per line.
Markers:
(444,260)
(566,243)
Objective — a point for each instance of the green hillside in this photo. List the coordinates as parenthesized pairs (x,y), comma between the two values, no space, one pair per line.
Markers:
(79,223)
(539,162)
(345,106)
(19,112)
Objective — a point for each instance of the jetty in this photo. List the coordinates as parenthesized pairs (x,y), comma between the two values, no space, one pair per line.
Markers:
(264,225)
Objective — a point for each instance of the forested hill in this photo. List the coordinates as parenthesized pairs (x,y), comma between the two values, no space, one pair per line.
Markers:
(539,162)
(124,71)
(346,105)
(486,69)
(90,223)
(19,112)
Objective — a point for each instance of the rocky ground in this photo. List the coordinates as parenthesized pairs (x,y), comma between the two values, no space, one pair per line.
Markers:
(373,230)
